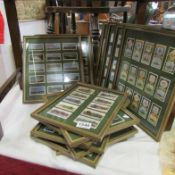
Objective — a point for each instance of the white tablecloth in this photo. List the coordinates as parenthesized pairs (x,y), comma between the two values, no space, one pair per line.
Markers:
(137,156)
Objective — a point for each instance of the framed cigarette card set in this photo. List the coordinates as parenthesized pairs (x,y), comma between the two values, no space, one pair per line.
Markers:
(43,134)
(107,54)
(107,76)
(51,64)
(123,119)
(83,109)
(87,57)
(82,121)
(145,71)
(101,51)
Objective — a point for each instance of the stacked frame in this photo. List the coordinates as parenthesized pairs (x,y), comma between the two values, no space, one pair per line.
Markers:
(123,119)
(82,103)
(146,72)
(106,57)
(87,56)
(89,155)
(51,64)
(85,144)
(101,51)
(147,75)
(108,73)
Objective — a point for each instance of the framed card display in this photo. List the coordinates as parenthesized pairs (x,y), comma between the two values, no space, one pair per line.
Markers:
(107,78)
(72,139)
(42,134)
(87,56)
(88,110)
(123,119)
(101,50)
(50,65)
(146,73)
(84,156)
(107,53)
(45,132)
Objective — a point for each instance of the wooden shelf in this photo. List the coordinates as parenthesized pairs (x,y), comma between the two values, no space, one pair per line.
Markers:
(53,9)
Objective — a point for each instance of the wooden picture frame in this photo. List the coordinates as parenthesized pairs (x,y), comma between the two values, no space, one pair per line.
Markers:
(153,83)
(46,132)
(51,64)
(106,56)
(108,75)
(87,57)
(80,110)
(101,50)
(127,120)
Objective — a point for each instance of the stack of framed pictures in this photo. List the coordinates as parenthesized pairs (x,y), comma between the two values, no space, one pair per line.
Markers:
(52,63)
(82,121)
(145,70)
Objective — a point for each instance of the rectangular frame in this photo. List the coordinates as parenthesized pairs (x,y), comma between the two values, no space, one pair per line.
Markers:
(74,139)
(44,131)
(155,68)
(105,56)
(126,122)
(43,113)
(43,56)
(108,76)
(87,57)
(101,50)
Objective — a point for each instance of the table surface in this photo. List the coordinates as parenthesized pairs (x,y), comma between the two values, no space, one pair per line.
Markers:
(138,155)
